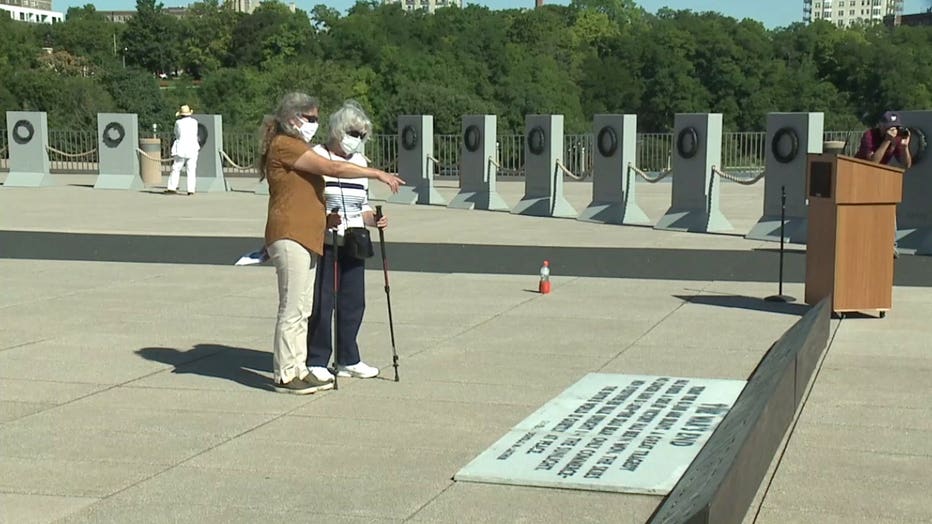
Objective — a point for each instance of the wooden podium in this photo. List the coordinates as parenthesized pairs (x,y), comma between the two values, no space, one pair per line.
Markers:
(851,232)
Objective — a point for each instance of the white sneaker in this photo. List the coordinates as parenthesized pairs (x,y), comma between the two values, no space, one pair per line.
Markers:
(360,370)
(320,373)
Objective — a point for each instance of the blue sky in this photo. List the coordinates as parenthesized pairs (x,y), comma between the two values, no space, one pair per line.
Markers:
(777,14)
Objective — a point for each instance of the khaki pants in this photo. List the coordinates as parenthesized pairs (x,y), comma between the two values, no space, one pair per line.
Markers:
(295,268)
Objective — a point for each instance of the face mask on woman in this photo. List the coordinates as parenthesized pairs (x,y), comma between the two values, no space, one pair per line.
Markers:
(352,142)
(308,130)
(308,127)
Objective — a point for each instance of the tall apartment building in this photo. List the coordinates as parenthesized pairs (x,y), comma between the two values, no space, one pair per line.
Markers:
(33,11)
(847,12)
(242,6)
(430,5)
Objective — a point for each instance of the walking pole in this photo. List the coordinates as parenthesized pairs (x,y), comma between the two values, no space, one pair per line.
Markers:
(335,335)
(388,296)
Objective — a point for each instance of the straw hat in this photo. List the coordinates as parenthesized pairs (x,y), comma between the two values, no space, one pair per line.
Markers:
(185,111)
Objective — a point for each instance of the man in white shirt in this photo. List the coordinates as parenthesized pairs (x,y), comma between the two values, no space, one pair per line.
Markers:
(184,149)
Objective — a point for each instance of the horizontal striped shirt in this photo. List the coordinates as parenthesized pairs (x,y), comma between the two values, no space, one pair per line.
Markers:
(351,195)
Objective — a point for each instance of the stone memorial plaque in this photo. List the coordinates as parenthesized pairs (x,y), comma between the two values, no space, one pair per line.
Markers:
(610,432)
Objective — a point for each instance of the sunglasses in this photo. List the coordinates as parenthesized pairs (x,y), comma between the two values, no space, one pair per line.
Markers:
(356,134)
(310,118)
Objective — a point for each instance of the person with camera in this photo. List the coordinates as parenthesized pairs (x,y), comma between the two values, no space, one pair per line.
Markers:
(349,128)
(296,226)
(886,141)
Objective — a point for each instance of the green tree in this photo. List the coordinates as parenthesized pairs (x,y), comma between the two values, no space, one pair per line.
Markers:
(135,91)
(152,38)
(89,34)
(271,35)
(620,12)
(671,83)
(72,102)
(240,95)
(207,36)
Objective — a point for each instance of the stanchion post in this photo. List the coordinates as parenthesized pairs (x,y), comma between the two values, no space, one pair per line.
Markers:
(780,297)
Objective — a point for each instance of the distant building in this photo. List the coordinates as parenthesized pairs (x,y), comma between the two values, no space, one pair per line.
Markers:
(32,11)
(239,6)
(430,5)
(121,17)
(242,6)
(44,5)
(844,13)
(913,19)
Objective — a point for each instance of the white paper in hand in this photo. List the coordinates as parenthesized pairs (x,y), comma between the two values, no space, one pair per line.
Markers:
(256,257)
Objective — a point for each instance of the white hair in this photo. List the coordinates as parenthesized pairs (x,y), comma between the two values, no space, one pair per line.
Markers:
(349,117)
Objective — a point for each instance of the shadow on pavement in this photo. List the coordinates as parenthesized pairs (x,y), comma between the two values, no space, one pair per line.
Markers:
(241,365)
(745,302)
(607,262)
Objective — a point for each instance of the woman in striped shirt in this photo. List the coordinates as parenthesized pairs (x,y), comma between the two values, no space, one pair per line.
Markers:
(349,128)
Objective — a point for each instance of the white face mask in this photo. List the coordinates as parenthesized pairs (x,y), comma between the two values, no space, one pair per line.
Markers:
(308,130)
(350,144)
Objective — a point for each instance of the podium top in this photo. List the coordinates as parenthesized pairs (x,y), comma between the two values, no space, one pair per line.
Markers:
(848,180)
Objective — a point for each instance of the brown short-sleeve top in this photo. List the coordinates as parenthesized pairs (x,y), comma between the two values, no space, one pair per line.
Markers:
(296,199)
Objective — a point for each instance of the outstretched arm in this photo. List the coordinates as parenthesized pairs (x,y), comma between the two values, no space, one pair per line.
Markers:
(314,164)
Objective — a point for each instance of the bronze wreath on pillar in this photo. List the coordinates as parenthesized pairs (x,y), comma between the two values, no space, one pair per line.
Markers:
(471,138)
(785,158)
(23,138)
(408,138)
(113,134)
(535,140)
(918,138)
(607,141)
(691,133)
(201,134)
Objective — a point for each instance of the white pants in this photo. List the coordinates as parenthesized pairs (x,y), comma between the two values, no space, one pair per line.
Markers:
(190,164)
(295,267)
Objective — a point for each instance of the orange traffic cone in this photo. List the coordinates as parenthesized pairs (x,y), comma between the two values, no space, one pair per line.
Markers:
(544,287)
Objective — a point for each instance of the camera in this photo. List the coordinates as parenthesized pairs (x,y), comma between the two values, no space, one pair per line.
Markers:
(902,131)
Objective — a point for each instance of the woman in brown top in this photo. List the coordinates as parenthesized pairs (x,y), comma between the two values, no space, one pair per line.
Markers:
(294,230)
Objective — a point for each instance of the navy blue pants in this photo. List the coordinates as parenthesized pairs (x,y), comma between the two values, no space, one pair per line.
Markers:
(352,287)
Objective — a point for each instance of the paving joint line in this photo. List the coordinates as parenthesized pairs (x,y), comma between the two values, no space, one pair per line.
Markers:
(654,326)
(481,323)
(202,452)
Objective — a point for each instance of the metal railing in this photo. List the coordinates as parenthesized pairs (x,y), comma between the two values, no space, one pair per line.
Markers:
(73,151)
(654,151)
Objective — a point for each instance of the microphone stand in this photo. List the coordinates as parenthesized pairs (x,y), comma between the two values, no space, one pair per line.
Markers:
(780,297)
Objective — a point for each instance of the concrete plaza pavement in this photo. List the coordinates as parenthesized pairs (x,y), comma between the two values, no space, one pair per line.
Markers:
(139,391)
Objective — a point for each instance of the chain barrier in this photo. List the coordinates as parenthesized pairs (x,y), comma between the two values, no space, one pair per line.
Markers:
(569,173)
(747,181)
(147,155)
(652,179)
(71,155)
(232,163)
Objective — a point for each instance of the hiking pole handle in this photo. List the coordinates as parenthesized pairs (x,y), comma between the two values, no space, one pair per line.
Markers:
(378,216)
